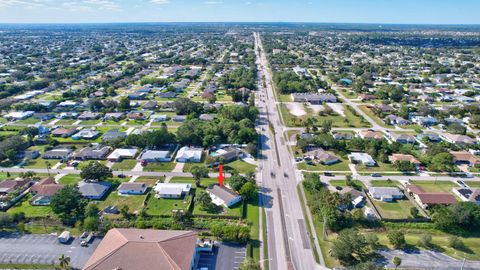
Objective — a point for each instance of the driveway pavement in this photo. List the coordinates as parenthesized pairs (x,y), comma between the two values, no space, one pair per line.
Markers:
(224,256)
(429,260)
(18,248)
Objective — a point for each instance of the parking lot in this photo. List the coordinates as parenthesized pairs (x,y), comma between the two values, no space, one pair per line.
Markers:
(224,256)
(18,248)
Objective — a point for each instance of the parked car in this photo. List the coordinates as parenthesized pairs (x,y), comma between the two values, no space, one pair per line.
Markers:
(328,174)
(376,175)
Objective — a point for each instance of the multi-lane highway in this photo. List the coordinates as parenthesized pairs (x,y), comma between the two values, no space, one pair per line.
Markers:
(287,235)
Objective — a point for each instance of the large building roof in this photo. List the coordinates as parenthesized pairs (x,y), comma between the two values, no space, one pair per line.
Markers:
(144,249)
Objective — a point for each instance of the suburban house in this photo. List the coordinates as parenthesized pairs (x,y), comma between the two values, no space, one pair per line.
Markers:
(179,118)
(86,134)
(18,115)
(89,116)
(357,197)
(461,140)
(157,155)
(123,248)
(94,152)
(313,98)
(402,138)
(114,116)
(43,191)
(342,135)
(223,196)
(189,154)
(385,194)
(58,153)
(113,134)
(94,190)
(159,117)
(150,105)
(9,186)
(122,153)
(396,120)
(206,117)
(431,137)
(424,120)
(370,135)
(362,158)
(468,194)
(403,157)
(429,199)
(171,190)
(465,157)
(134,188)
(322,156)
(63,132)
(227,154)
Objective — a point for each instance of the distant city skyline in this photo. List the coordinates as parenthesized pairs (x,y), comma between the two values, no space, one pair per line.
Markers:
(333,11)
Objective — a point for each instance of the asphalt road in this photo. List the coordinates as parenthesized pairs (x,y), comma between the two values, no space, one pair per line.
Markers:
(18,248)
(126,172)
(279,178)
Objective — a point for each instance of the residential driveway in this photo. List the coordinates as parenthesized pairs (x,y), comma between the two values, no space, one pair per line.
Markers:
(225,256)
(426,260)
(42,249)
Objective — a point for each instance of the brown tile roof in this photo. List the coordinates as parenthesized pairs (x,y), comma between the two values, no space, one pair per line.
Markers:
(45,181)
(401,157)
(432,198)
(464,156)
(144,249)
(415,189)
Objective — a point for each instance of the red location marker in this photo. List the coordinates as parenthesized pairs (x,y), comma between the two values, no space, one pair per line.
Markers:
(220,175)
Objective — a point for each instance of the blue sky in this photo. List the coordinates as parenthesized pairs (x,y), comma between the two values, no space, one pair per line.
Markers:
(353,11)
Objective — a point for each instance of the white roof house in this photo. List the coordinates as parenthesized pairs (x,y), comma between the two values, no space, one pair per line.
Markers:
(362,158)
(19,115)
(156,156)
(122,153)
(386,194)
(171,190)
(189,154)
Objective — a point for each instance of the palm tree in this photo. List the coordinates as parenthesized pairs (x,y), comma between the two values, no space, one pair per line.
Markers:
(64,262)
(49,166)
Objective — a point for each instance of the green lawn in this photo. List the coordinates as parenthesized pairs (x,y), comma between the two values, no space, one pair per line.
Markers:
(439,240)
(380,167)
(242,166)
(343,183)
(372,115)
(90,122)
(29,210)
(253,216)
(70,179)
(399,209)
(439,186)
(124,165)
(473,184)
(163,206)
(134,202)
(338,121)
(160,167)
(66,122)
(384,183)
(339,166)
(28,121)
(40,163)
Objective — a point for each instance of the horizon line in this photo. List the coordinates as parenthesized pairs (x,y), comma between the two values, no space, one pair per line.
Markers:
(238,22)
